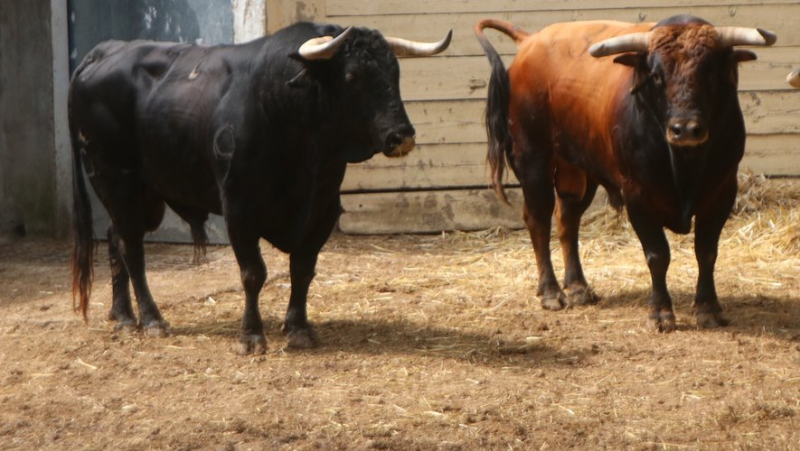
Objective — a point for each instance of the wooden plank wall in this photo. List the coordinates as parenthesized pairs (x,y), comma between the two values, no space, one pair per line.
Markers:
(442,185)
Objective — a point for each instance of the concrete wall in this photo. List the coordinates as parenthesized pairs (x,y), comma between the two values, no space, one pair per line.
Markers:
(30,180)
(35,155)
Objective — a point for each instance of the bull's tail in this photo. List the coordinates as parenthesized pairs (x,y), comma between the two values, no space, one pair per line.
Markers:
(83,235)
(497,103)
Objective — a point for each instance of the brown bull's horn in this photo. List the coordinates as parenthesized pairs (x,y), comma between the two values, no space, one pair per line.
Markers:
(730,36)
(634,42)
(402,47)
(794,78)
(323,48)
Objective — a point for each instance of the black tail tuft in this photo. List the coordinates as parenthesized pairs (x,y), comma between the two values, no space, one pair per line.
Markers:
(497,104)
(83,234)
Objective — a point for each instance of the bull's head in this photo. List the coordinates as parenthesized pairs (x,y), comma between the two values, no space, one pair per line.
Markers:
(686,70)
(359,77)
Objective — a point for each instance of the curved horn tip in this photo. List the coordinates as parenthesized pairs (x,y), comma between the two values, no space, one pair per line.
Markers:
(770,37)
(447,39)
(598,50)
(403,47)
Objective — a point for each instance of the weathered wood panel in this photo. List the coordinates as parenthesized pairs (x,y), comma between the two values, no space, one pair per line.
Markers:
(435,211)
(453,78)
(461,121)
(429,211)
(394,7)
(441,185)
(449,166)
(779,19)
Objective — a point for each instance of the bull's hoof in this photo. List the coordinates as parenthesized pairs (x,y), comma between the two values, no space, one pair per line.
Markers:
(253,344)
(663,322)
(581,296)
(711,320)
(554,301)
(126,327)
(302,338)
(156,329)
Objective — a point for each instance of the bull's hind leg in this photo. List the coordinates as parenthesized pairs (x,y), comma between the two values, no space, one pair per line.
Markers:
(708,227)
(537,214)
(299,332)
(121,308)
(568,217)
(133,211)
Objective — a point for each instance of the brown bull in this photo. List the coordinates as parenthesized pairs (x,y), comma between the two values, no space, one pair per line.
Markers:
(658,126)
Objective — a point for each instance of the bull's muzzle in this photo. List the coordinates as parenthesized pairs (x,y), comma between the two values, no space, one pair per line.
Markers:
(399,145)
(686,132)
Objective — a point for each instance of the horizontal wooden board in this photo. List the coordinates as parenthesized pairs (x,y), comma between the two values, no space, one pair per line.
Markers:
(773,155)
(464,165)
(432,211)
(394,7)
(427,166)
(459,78)
(436,211)
(456,122)
(778,19)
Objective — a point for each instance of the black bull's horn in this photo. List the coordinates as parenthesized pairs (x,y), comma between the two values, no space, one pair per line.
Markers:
(403,47)
(640,42)
(326,46)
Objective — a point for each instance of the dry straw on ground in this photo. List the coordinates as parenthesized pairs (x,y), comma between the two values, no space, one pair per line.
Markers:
(429,342)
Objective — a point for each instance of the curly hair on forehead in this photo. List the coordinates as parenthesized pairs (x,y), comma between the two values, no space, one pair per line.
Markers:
(366,42)
(685,44)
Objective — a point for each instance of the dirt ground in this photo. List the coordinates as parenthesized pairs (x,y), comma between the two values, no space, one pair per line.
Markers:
(428,342)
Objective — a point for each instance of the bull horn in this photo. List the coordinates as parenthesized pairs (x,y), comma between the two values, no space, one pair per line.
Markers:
(403,47)
(634,42)
(794,78)
(323,48)
(731,36)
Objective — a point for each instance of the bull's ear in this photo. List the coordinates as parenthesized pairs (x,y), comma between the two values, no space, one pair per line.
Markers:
(629,59)
(743,56)
(638,61)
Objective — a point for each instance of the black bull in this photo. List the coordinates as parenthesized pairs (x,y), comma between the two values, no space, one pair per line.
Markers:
(260,133)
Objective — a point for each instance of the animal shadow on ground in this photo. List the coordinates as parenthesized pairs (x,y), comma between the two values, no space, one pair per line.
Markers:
(382,337)
(756,315)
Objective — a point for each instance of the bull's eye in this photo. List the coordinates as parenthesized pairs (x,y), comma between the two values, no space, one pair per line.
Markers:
(350,77)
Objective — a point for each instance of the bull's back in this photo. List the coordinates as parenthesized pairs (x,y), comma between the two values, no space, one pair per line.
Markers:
(577,94)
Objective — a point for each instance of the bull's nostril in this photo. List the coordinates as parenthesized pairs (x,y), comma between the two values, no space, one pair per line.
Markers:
(394,140)
(695,129)
(676,129)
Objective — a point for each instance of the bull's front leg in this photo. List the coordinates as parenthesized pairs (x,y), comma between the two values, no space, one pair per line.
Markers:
(302,264)
(298,331)
(708,227)
(656,252)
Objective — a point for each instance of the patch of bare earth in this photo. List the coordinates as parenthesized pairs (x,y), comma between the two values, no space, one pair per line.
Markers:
(429,342)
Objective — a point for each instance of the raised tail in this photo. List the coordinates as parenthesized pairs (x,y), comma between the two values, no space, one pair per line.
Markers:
(82,232)
(497,102)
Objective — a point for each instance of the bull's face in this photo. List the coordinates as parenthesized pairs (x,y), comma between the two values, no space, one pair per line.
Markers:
(685,71)
(360,85)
